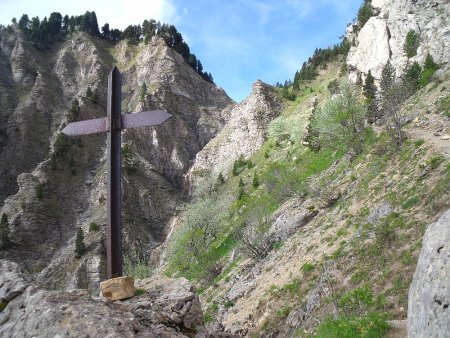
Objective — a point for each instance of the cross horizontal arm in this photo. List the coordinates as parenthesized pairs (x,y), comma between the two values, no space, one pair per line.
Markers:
(145,118)
(102,125)
(86,127)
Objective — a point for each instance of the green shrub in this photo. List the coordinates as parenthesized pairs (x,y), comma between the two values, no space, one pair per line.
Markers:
(3,304)
(419,142)
(135,266)
(339,122)
(255,182)
(425,77)
(410,202)
(202,239)
(286,128)
(356,301)
(307,267)
(333,86)
(372,325)
(139,292)
(93,226)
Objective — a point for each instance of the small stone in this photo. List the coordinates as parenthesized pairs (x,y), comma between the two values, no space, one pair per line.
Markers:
(118,288)
(445,137)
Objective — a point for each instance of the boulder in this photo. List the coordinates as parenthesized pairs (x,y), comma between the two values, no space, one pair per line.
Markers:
(118,288)
(429,293)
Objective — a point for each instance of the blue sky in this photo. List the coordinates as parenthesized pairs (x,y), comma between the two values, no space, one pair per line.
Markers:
(238,41)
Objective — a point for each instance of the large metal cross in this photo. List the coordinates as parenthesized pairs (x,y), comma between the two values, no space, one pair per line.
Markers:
(113,125)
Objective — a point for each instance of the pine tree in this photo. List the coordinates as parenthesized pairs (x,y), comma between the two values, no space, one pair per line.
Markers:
(89,93)
(241,182)
(255,182)
(429,63)
(387,78)
(143,94)
(412,43)
(370,92)
(5,241)
(241,193)
(412,76)
(79,243)
(74,110)
(311,133)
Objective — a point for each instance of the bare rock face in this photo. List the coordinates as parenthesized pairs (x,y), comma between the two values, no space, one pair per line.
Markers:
(429,293)
(167,308)
(383,36)
(243,134)
(12,281)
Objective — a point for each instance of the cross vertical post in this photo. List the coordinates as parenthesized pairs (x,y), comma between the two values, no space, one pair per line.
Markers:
(113,124)
(114,226)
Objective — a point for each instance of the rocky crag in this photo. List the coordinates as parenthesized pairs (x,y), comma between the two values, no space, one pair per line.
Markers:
(382,37)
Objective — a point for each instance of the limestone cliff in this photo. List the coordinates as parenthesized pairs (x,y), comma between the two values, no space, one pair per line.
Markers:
(383,36)
(244,133)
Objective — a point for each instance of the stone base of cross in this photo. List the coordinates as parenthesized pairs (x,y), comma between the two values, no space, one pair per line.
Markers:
(113,124)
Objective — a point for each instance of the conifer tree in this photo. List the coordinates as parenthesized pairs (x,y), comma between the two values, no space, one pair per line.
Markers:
(429,63)
(386,83)
(143,94)
(412,77)
(79,243)
(311,134)
(255,182)
(370,92)
(5,241)
(241,182)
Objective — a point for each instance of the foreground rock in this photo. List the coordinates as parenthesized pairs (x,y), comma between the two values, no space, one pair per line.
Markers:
(429,294)
(167,308)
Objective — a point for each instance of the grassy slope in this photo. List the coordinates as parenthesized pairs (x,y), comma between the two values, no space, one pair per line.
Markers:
(355,267)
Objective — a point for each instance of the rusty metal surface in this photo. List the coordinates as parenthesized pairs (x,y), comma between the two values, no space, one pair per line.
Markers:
(94,126)
(114,225)
(145,118)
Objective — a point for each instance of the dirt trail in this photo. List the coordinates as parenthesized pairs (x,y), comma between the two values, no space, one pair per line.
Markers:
(440,142)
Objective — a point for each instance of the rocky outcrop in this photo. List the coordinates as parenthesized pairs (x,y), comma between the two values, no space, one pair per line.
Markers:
(429,293)
(244,133)
(289,218)
(383,36)
(167,308)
